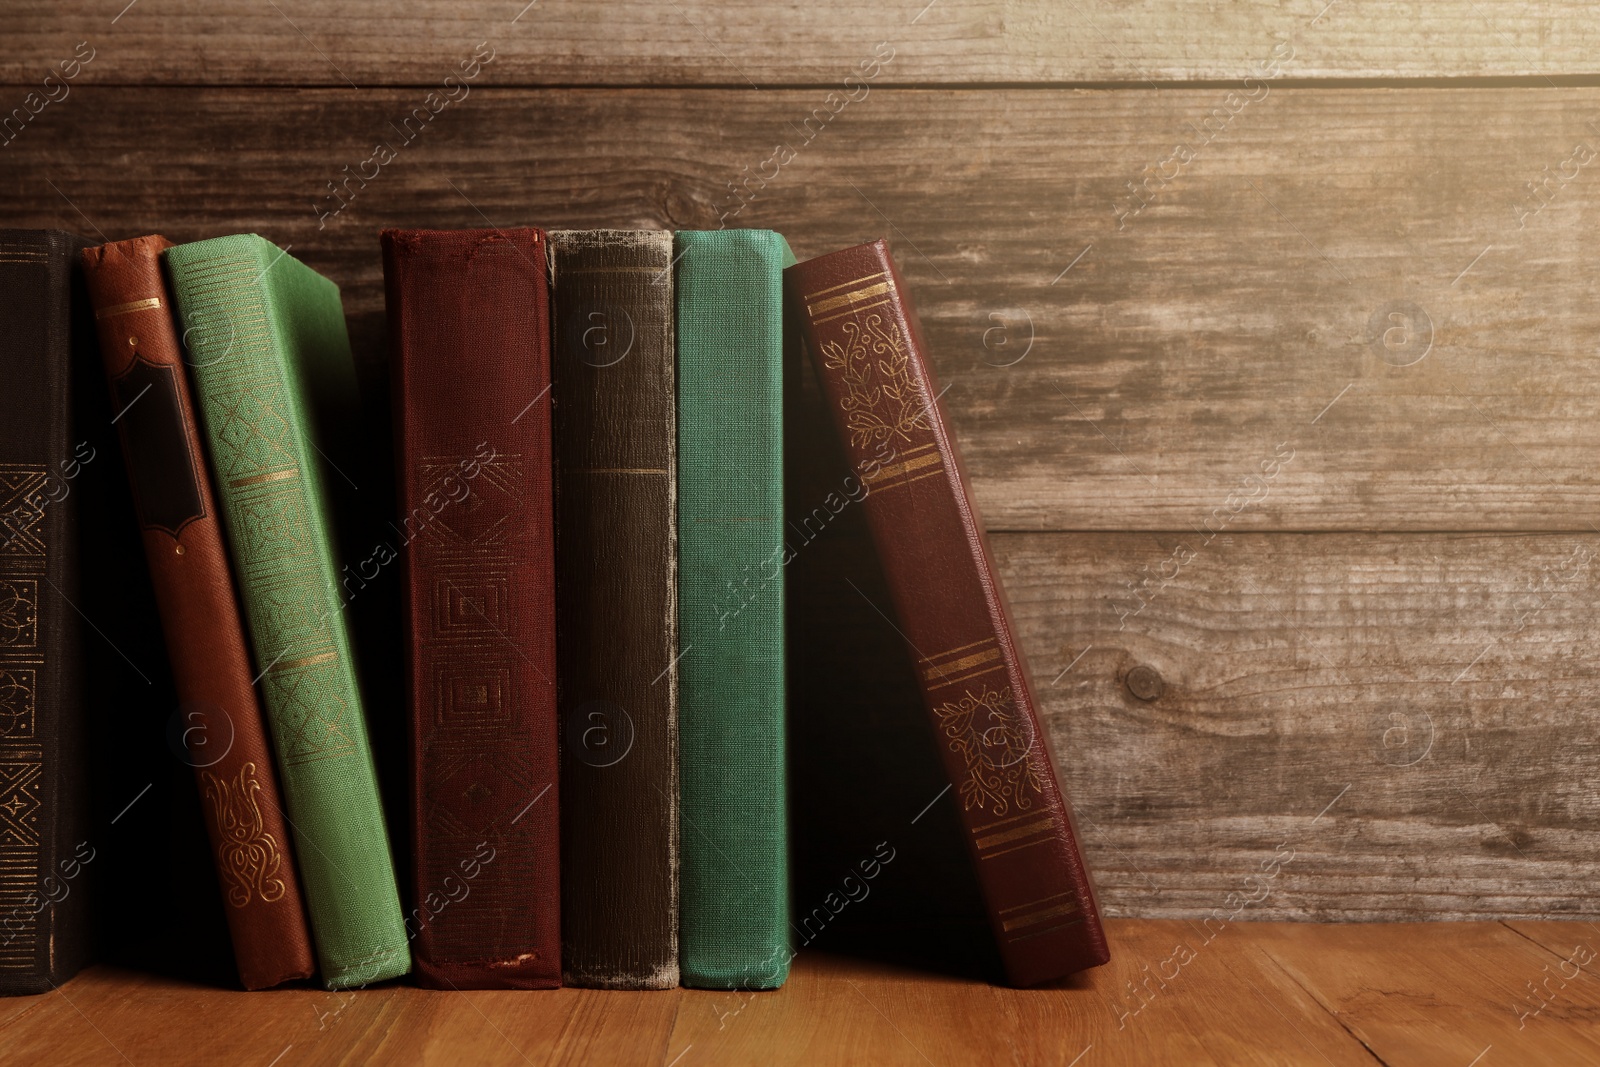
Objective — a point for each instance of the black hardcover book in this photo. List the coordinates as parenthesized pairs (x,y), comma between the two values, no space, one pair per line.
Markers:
(44,809)
(90,789)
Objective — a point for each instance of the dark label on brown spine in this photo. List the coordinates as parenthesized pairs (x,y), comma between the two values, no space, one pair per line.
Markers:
(166,486)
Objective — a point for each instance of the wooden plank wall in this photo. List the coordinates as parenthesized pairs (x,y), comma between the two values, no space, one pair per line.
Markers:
(1267,327)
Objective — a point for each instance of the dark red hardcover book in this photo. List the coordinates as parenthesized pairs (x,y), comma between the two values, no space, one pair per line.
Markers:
(220,717)
(868,351)
(469,336)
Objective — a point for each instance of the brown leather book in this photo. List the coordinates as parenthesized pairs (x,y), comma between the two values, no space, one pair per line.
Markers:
(469,337)
(616,580)
(868,351)
(220,719)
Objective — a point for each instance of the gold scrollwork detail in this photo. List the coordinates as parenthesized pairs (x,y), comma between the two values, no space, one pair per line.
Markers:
(883,400)
(249,856)
(997,748)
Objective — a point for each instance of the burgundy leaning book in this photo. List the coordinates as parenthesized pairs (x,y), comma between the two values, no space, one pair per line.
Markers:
(469,337)
(868,351)
(221,717)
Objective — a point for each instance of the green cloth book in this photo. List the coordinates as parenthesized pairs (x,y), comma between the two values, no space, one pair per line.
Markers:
(266,341)
(734,878)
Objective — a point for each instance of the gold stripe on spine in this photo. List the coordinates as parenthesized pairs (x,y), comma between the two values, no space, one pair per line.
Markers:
(306,661)
(1074,921)
(1037,903)
(263,479)
(1001,822)
(616,470)
(913,478)
(890,473)
(967,677)
(1016,848)
(850,312)
(1035,918)
(1040,825)
(854,296)
(959,648)
(132,305)
(845,285)
(942,671)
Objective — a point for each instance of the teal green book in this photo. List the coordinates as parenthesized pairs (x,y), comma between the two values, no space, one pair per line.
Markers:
(734,875)
(265,339)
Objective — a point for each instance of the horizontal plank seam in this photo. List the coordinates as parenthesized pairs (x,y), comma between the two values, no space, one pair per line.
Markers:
(1332,82)
(1273,531)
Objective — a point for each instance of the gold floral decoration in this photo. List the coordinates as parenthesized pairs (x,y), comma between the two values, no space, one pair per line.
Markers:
(883,400)
(997,748)
(250,858)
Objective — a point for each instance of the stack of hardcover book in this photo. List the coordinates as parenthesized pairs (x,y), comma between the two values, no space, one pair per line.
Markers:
(588,537)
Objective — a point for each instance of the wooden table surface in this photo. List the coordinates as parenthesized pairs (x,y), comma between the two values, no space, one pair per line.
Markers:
(1405,995)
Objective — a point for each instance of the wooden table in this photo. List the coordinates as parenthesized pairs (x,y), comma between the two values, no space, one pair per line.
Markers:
(1447,994)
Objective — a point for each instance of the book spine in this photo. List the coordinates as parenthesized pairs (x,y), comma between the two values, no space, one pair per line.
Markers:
(43,802)
(220,716)
(616,561)
(867,348)
(469,328)
(267,345)
(733,807)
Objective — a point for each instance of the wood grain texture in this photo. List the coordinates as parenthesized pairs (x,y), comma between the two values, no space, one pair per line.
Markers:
(1200,364)
(1260,306)
(1250,726)
(1463,1000)
(1258,993)
(298,42)
(1352,726)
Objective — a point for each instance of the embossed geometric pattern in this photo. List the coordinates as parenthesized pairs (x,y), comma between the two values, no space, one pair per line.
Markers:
(19,693)
(478,519)
(252,435)
(22,510)
(468,696)
(310,724)
(470,604)
(20,781)
(19,613)
(24,559)
(288,620)
(469,792)
(278,522)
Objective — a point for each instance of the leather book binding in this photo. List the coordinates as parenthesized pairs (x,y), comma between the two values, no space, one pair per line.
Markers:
(867,348)
(266,343)
(731,684)
(469,336)
(220,718)
(45,846)
(616,584)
